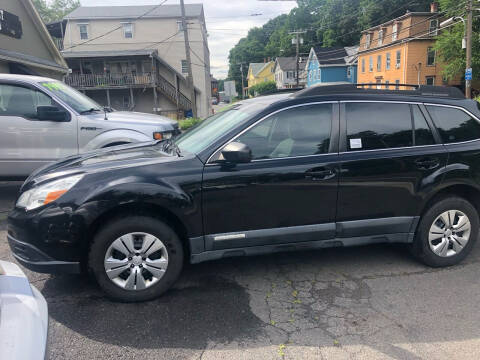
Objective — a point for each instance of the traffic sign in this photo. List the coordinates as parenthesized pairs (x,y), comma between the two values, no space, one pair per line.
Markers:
(468,74)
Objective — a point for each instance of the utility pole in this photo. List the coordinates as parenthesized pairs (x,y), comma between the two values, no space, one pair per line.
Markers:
(468,83)
(189,61)
(297,41)
(241,70)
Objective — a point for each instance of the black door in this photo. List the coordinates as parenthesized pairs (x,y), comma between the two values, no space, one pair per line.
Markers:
(390,158)
(288,192)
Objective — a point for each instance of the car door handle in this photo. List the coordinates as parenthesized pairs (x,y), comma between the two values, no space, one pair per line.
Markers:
(319,174)
(427,163)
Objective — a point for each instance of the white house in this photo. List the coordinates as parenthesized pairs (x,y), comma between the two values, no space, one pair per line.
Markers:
(286,72)
(134,56)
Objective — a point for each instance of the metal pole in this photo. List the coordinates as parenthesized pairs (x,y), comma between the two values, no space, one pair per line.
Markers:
(468,83)
(297,65)
(189,61)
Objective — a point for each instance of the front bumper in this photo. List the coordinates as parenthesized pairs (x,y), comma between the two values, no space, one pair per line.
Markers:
(49,240)
(35,260)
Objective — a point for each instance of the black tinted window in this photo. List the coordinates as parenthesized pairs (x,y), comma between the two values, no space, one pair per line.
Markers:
(299,131)
(423,133)
(378,126)
(454,125)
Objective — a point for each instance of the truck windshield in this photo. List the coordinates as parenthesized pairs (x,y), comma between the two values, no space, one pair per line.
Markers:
(77,101)
(213,128)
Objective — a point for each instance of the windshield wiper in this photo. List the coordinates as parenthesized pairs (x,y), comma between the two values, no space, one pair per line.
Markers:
(169,145)
(88,111)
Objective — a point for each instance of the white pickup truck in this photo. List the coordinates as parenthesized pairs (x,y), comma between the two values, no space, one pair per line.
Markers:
(43,120)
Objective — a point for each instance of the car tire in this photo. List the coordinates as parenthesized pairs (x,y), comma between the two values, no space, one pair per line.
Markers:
(437,243)
(113,245)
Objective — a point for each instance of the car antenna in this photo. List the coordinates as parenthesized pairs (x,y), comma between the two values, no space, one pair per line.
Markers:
(105,111)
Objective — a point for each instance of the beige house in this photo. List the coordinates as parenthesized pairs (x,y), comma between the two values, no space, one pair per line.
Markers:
(133,57)
(25,44)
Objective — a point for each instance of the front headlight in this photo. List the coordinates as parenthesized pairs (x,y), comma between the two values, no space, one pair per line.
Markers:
(47,193)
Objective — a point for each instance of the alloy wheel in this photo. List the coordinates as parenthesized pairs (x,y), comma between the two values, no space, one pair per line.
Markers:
(449,233)
(136,261)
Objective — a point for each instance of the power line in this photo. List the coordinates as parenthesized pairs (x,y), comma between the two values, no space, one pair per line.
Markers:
(117,28)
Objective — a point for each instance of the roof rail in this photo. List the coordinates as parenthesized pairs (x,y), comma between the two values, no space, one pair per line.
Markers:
(372,88)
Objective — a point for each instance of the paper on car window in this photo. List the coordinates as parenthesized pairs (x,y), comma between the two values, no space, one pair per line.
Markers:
(355,143)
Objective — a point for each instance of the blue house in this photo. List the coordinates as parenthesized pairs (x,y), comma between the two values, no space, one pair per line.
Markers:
(333,64)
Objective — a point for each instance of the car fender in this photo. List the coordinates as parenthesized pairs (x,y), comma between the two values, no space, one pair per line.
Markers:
(115,136)
(160,200)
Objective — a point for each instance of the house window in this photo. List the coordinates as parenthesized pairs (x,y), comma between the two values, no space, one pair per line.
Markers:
(363,65)
(387,84)
(127,30)
(379,63)
(184,67)
(387,61)
(399,59)
(433,27)
(395,32)
(367,41)
(83,28)
(379,81)
(180,25)
(430,80)
(349,72)
(370,64)
(380,37)
(397,84)
(431,53)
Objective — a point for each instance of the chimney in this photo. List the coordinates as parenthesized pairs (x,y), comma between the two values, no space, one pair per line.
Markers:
(434,7)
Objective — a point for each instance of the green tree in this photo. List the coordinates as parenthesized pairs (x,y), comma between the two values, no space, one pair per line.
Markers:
(449,44)
(55,10)
(327,22)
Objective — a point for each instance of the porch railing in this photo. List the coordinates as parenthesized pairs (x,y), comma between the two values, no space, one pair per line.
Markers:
(108,80)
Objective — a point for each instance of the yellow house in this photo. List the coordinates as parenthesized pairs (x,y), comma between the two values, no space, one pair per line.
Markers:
(401,51)
(260,72)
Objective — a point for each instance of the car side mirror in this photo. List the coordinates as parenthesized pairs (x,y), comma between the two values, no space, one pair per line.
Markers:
(52,113)
(236,153)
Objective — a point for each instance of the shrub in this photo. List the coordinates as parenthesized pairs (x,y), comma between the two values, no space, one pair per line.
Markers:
(263,88)
(187,123)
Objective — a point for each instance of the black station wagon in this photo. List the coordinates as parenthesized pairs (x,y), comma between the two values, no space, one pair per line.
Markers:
(327,166)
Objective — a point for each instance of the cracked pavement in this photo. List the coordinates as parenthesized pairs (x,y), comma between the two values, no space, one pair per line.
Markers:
(372,302)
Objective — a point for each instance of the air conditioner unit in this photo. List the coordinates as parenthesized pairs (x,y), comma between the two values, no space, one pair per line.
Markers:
(397,66)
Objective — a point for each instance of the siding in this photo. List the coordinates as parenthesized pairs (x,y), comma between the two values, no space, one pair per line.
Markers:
(413,54)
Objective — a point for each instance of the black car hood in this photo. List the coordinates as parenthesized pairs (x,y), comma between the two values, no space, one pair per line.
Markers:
(122,156)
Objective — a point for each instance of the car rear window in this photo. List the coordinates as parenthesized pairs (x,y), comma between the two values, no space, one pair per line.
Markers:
(454,125)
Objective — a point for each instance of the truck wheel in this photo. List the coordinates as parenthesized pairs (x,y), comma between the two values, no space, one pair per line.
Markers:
(447,232)
(136,258)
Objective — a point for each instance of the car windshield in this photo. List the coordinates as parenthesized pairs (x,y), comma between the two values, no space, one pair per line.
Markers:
(213,128)
(79,102)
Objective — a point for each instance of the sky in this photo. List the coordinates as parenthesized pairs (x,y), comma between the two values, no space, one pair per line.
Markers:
(227,22)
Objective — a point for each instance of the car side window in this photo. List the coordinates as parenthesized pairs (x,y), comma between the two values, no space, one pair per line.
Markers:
(454,125)
(21,101)
(373,126)
(423,133)
(299,131)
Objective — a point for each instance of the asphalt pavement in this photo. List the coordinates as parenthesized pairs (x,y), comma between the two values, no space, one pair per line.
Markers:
(372,302)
